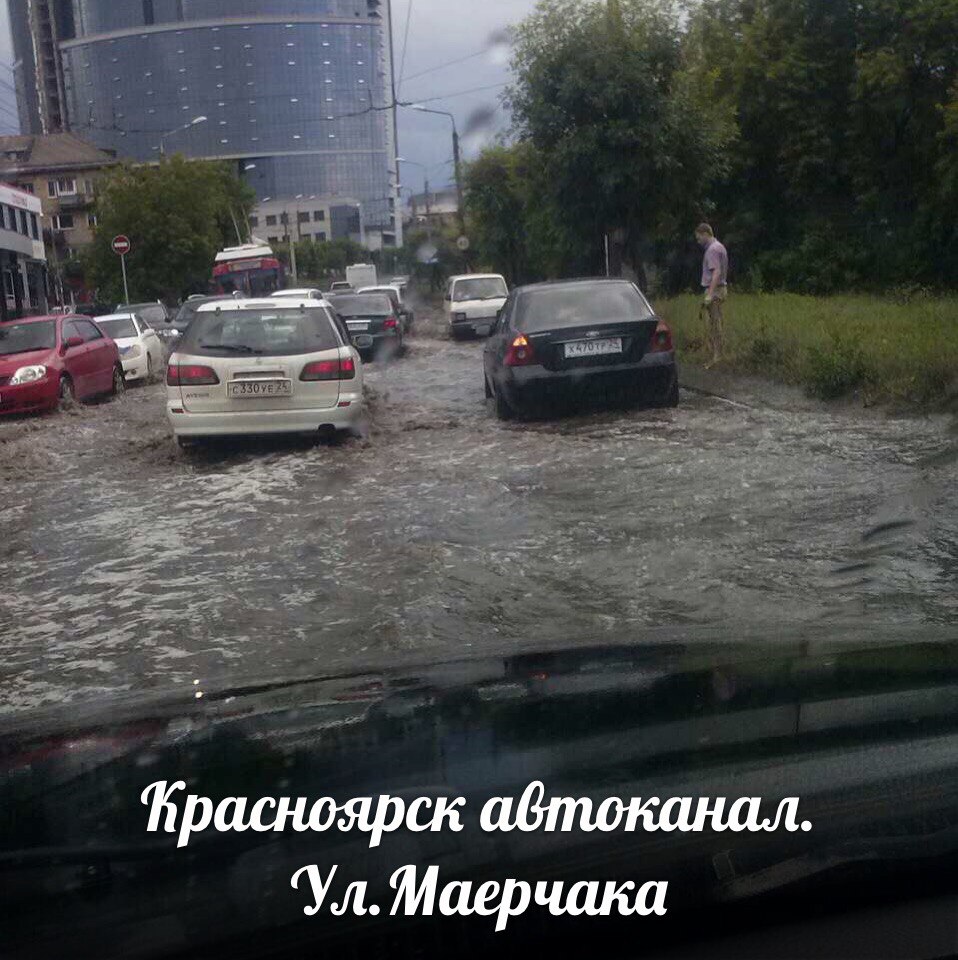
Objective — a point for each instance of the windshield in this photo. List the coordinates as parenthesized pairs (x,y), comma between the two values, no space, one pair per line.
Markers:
(119,328)
(22,337)
(363,305)
(566,306)
(479,289)
(270,333)
(150,313)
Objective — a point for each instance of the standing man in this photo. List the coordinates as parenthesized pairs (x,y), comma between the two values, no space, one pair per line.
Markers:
(715,285)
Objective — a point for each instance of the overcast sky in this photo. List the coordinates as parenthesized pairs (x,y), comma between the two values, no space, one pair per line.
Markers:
(8,102)
(440,31)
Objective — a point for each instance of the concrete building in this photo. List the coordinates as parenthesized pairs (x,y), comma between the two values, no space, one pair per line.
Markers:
(22,257)
(438,208)
(283,88)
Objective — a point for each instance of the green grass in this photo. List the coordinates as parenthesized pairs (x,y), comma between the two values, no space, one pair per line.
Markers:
(885,351)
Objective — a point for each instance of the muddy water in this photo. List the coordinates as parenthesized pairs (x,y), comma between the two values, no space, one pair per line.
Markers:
(127,564)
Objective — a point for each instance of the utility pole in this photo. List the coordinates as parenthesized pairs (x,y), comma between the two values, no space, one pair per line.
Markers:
(457,159)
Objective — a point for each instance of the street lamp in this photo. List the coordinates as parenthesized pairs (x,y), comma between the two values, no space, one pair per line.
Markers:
(457,159)
(186,126)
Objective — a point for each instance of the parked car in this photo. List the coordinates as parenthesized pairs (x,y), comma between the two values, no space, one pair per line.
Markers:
(263,366)
(578,338)
(340,286)
(141,350)
(372,322)
(155,313)
(395,294)
(304,293)
(472,302)
(49,362)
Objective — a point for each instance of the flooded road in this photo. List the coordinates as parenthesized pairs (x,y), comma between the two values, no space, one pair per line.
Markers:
(128,564)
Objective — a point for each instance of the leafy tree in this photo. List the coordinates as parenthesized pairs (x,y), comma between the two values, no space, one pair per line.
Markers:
(627,144)
(177,216)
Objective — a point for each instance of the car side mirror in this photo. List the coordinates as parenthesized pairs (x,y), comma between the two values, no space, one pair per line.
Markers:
(447,297)
(72,342)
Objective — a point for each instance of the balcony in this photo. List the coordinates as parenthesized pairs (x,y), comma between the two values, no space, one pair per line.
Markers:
(76,201)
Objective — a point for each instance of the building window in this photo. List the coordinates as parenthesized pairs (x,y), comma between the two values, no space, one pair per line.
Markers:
(254,221)
(63,221)
(321,237)
(272,239)
(65,187)
(319,215)
(271,220)
(91,219)
(34,227)
(25,187)
(148,18)
(303,216)
(22,221)
(88,187)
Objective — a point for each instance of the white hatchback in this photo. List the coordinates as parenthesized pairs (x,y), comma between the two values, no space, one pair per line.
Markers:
(141,350)
(264,366)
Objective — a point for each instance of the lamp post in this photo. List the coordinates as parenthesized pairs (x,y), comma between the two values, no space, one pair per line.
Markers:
(186,126)
(457,160)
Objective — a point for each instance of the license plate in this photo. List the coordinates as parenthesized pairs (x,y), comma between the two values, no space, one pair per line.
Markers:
(354,326)
(250,389)
(363,341)
(593,348)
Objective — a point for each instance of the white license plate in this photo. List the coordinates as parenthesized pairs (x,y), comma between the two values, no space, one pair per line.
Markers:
(355,327)
(593,348)
(250,389)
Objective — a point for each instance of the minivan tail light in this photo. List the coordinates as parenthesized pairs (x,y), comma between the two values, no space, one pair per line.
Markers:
(661,339)
(520,353)
(329,370)
(390,323)
(190,375)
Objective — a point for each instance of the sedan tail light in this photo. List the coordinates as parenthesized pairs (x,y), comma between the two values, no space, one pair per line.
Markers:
(343,369)
(661,339)
(520,353)
(390,323)
(190,375)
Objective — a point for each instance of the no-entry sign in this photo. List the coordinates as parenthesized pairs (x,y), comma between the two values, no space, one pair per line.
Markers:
(121,245)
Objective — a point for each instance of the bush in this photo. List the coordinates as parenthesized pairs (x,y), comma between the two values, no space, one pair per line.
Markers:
(834,370)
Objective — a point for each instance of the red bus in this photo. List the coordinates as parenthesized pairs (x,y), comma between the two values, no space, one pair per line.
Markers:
(251,270)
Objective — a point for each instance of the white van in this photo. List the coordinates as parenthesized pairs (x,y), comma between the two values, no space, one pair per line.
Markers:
(472,302)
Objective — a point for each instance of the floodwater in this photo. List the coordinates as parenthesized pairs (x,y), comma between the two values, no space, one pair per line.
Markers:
(128,564)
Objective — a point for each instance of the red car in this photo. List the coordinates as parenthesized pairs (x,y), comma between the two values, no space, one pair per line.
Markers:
(48,362)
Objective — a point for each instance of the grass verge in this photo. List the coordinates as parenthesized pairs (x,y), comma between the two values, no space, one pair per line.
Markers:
(881,350)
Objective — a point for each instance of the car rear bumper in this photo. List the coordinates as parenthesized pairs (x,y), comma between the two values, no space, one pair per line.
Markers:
(259,422)
(134,368)
(374,342)
(478,326)
(652,378)
(29,397)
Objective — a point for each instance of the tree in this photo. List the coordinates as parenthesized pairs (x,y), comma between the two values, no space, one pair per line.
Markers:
(178,215)
(628,146)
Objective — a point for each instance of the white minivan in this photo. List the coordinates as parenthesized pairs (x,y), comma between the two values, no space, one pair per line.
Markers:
(472,302)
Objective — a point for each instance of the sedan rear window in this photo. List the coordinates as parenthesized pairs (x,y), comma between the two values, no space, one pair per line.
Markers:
(369,305)
(23,337)
(572,306)
(269,333)
(117,329)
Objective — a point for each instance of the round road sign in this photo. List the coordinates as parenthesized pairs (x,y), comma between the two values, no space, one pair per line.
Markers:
(121,245)
(463,244)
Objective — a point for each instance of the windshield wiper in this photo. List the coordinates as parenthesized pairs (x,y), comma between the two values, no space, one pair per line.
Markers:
(233,347)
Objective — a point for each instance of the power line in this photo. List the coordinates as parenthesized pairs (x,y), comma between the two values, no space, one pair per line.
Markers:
(458,93)
(448,63)
(405,42)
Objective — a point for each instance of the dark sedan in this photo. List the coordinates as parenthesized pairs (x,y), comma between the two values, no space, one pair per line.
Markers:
(372,322)
(578,339)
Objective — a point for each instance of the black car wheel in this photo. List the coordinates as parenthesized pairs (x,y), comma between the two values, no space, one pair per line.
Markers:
(672,398)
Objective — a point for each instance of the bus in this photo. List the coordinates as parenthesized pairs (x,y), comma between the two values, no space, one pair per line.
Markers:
(252,270)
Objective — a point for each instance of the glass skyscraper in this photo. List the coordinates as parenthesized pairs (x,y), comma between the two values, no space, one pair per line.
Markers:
(293,91)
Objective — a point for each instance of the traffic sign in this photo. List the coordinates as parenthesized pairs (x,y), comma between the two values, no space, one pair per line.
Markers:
(121,245)
(463,244)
